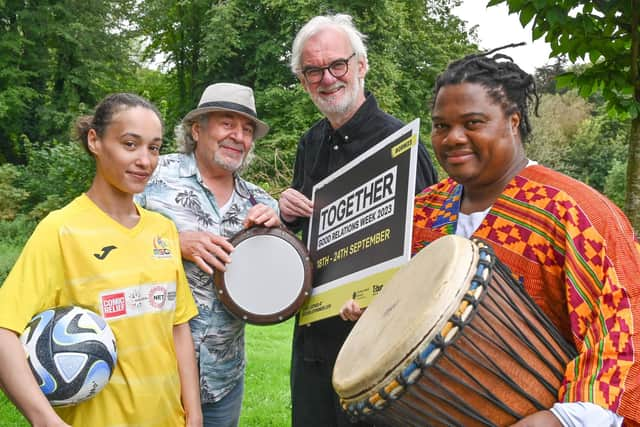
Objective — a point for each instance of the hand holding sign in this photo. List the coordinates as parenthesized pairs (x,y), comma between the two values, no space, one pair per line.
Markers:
(293,204)
(360,230)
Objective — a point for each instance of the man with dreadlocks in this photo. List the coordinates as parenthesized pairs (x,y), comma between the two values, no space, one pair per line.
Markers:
(572,249)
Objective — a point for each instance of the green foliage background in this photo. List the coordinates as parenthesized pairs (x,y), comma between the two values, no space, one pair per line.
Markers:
(607,34)
(58,58)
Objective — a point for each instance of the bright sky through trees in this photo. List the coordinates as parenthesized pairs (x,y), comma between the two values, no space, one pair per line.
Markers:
(497,28)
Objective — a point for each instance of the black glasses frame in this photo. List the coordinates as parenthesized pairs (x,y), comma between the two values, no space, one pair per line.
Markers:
(309,72)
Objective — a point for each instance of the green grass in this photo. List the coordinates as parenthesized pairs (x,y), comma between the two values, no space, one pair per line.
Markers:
(9,415)
(267,400)
(266,396)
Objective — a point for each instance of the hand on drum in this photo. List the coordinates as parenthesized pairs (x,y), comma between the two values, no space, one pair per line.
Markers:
(351,311)
(262,215)
(539,419)
(205,249)
(294,204)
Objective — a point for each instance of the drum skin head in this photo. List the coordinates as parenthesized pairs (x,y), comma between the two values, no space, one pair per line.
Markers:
(269,276)
(409,311)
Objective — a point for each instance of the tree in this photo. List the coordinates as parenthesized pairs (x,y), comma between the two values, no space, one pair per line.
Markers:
(550,141)
(599,143)
(546,76)
(12,196)
(615,185)
(249,42)
(57,57)
(605,32)
(66,169)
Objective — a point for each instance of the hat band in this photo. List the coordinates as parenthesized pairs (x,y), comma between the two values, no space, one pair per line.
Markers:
(229,106)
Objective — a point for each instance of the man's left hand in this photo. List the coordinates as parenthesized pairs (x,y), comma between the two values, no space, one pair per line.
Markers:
(261,214)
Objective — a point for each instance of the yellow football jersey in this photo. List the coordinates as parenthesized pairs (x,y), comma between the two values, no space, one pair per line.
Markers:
(134,278)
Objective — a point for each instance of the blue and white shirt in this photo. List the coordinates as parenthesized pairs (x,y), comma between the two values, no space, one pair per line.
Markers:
(177,191)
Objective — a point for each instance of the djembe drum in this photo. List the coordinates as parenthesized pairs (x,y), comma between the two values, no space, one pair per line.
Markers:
(269,277)
(452,340)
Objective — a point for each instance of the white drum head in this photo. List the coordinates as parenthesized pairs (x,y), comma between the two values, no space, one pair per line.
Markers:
(265,275)
(269,276)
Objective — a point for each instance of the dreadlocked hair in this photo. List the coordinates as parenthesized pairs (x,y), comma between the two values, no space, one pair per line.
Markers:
(506,83)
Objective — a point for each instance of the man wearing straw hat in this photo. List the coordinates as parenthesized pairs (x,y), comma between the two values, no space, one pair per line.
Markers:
(200,189)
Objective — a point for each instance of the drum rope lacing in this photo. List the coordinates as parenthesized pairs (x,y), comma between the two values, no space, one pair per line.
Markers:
(549,327)
(450,334)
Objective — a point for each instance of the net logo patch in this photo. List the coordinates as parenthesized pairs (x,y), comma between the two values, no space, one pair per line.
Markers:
(157,296)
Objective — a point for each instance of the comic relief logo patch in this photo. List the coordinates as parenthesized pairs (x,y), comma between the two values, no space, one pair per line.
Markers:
(113,305)
(161,248)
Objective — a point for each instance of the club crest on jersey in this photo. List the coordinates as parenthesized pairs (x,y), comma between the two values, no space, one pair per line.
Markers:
(161,248)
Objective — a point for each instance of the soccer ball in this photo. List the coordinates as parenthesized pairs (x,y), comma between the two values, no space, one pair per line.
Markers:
(72,353)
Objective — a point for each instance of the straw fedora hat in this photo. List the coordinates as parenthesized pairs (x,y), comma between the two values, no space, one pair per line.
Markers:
(229,97)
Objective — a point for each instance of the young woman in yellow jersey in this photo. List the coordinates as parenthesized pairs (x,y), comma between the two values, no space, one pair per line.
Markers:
(105,253)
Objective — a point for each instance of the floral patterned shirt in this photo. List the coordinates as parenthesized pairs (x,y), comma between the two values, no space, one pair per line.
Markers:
(177,191)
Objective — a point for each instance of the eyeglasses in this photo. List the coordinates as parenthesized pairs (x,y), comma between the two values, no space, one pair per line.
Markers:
(337,68)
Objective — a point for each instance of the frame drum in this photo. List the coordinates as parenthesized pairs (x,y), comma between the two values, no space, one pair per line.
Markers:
(452,340)
(269,276)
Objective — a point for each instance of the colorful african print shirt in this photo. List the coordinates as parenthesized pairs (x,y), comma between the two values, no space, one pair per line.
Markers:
(577,256)
(177,191)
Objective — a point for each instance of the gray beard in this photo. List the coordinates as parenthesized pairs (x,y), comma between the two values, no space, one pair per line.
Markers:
(330,109)
(227,165)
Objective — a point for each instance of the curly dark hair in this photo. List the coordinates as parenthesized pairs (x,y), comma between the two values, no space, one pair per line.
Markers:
(506,83)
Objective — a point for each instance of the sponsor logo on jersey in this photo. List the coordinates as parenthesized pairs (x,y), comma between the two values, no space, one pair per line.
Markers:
(161,248)
(113,305)
(138,300)
(105,251)
(157,296)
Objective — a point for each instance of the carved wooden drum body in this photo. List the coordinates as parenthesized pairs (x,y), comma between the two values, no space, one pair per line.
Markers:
(452,340)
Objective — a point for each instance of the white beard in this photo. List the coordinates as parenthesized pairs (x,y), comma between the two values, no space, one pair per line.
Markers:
(331,106)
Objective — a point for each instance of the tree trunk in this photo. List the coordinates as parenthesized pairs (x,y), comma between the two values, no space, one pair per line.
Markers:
(632,203)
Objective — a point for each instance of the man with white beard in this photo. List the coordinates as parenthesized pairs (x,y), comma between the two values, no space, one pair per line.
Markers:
(330,60)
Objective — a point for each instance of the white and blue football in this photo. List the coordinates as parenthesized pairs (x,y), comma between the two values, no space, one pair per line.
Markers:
(72,353)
